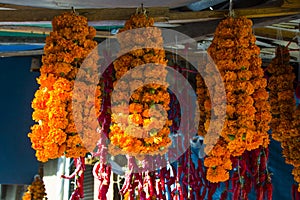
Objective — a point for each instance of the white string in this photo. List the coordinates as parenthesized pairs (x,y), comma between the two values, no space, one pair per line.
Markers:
(298,38)
(176,46)
(279,34)
(231,13)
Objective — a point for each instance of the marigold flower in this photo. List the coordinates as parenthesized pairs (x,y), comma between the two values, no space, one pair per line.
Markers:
(217,174)
(149,135)
(66,47)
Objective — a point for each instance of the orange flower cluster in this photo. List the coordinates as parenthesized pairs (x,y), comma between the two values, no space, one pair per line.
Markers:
(291,145)
(65,49)
(204,105)
(218,163)
(146,129)
(283,108)
(296,174)
(36,190)
(248,115)
(281,98)
(210,120)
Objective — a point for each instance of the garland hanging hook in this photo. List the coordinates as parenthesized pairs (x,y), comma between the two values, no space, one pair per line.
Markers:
(73,10)
(141,10)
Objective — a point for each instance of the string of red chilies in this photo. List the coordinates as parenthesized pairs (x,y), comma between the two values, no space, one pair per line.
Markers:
(102,169)
(78,174)
(181,182)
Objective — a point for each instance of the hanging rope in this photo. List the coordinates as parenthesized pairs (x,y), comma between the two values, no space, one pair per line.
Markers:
(141,10)
(74,11)
(231,12)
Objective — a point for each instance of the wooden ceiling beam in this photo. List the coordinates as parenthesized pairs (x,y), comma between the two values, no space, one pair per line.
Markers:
(198,30)
(276,33)
(22,53)
(44,31)
(161,14)
(91,14)
(25,29)
(187,17)
(17,7)
(291,4)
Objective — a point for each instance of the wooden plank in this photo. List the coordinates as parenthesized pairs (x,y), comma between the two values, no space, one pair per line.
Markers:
(291,4)
(45,31)
(267,12)
(159,14)
(26,29)
(21,39)
(198,30)
(276,33)
(17,7)
(91,14)
(285,25)
(22,53)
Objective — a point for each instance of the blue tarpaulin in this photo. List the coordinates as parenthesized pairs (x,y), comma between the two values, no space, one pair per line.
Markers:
(18,164)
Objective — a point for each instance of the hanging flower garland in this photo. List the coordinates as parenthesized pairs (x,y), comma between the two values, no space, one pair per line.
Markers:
(36,190)
(281,85)
(283,104)
(291,145)
(204,105)
(234,52)
(140,125)
(66,47)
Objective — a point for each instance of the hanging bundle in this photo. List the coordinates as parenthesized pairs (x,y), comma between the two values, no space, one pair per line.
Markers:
(283,104)
(244,136)
(281,85)
(141,133)
(36,190)
(141,124)
(78,176)
(291,148)
(234,52)
(67,46)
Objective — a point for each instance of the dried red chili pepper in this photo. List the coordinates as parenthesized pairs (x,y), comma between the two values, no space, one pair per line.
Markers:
(78,174)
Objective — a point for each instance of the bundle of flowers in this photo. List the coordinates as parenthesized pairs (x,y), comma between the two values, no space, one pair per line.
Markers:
(285,121)
(36,190)
(281,86)
(145,129)
(66,47)
(291,145)
(248,115)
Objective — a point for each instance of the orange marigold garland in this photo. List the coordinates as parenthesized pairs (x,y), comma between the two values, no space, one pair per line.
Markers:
(291,145)
(218,163)
(234,52)
(281,85)
(283,104)
(204,105)
(66,48)
(139,126)
(36,190)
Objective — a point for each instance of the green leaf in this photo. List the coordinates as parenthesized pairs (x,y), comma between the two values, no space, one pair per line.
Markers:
(231,137)
(244,137)
(152,90)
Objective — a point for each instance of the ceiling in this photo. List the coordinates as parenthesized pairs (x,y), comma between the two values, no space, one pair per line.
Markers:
(27,22)
(65,4)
